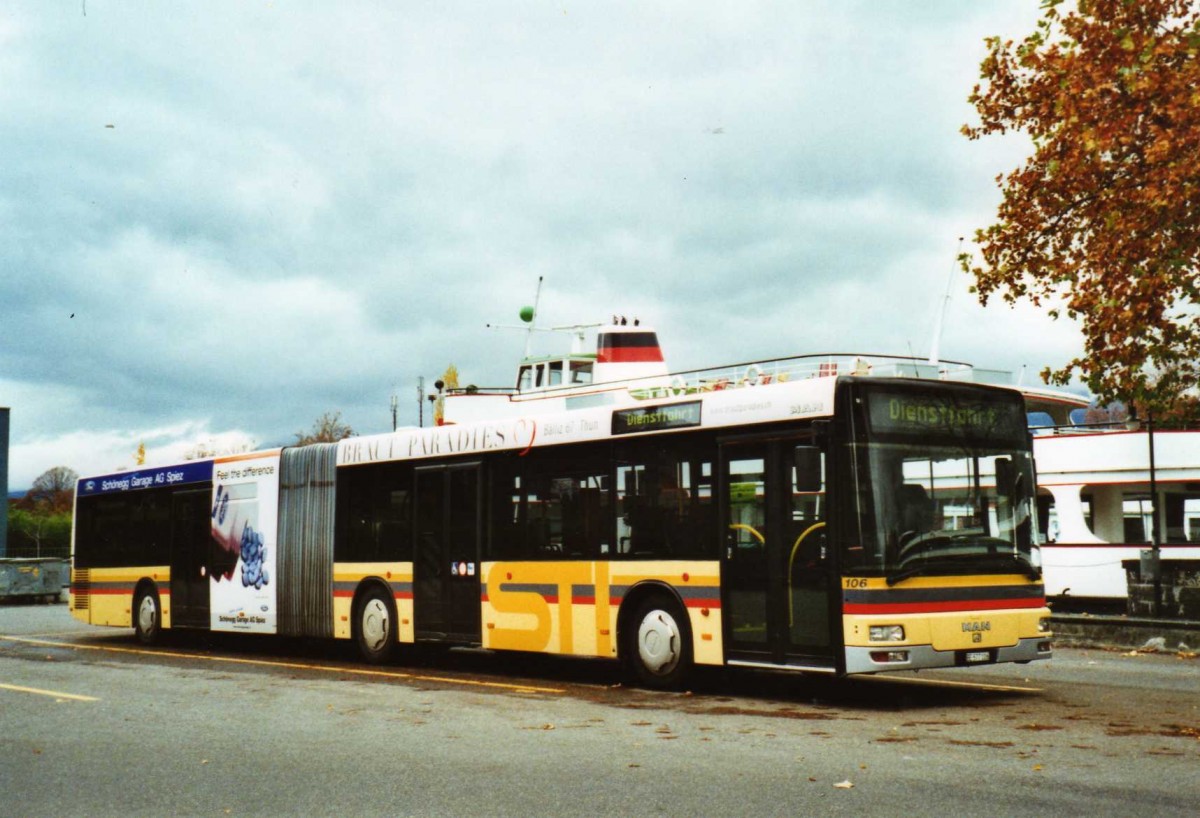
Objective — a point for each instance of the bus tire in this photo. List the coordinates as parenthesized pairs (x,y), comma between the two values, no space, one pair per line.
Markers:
(658,643)
(147,616)
(375,626)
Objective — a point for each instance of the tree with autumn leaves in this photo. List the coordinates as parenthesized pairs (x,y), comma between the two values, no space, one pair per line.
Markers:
(39,523)
(1102,221)
(328,428)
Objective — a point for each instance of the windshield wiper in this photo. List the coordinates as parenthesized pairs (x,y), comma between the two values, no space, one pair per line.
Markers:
(1027,568)
(908,573)
(937,566)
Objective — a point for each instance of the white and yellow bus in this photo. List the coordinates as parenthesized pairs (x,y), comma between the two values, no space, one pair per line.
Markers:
(833,523)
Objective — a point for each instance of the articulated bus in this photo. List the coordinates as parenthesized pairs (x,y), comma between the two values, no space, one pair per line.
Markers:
(836,524)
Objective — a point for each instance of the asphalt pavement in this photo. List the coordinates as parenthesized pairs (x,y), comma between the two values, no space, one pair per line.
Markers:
(91,724)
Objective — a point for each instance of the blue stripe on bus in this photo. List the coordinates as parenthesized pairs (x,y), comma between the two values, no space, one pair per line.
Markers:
(200,471)
(548,591)
(344,588)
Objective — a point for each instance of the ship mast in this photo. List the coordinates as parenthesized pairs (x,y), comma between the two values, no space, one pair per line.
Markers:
(934,348)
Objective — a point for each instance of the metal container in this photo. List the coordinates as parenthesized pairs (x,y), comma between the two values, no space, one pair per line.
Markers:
(36,579)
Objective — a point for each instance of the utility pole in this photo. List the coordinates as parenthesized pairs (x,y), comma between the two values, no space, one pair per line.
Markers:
(421,401)
(3,481)
(1150,558)
(1155,551)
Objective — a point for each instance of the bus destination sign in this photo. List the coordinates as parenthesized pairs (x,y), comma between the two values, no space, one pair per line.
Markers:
(656,418)
(899,412)
(194,472)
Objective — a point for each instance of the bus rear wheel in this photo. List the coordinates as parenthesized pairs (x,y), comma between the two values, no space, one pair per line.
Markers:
(658,643)
(375,627)
(147,617)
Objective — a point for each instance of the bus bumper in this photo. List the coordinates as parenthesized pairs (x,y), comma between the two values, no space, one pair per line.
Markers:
(916,657)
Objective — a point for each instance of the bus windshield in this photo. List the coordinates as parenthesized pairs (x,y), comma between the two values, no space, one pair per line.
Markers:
(945,486)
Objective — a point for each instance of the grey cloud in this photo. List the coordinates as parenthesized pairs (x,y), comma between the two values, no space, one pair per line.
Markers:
(302,209)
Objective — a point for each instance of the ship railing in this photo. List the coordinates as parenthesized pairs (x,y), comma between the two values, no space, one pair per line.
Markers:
(806,367)
(760,373)
(1100,426)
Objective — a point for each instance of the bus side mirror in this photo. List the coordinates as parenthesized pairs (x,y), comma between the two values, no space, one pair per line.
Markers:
(1006,477)
(807,460)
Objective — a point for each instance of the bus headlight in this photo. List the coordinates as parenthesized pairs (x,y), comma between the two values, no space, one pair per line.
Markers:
(1044,625)
(887,633)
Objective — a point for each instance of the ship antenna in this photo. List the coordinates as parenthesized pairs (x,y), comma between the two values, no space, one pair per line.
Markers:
(529,319)
(529,316)
(941,316)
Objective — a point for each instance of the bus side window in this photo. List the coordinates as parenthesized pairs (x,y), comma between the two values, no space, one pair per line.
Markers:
(375,514)
(665,504)
(807,534)
(551,506)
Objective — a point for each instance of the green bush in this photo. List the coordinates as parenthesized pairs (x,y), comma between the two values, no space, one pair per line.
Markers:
(34,534)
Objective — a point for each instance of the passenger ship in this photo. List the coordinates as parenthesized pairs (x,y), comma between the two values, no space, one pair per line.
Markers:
(1094,505)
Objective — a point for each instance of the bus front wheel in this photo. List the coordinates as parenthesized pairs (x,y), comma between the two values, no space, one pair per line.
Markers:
(658,643)
(147,617)
(376,627)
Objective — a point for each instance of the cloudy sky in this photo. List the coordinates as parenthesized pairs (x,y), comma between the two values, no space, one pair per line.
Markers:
(220,220)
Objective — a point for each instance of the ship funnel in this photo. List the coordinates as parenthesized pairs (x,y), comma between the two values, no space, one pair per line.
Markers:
(625,352)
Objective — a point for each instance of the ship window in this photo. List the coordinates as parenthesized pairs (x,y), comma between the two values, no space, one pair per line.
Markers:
(581,371)
(555,373)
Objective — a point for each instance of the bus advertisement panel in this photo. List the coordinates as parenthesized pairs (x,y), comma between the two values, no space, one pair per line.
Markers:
(243,577)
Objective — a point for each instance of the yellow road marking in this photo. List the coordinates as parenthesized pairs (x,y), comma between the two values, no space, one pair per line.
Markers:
(54,693)
(948,683)
(290,665)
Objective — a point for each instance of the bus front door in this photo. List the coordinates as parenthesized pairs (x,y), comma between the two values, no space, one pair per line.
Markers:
(775,563)
(191,539)
(448,522)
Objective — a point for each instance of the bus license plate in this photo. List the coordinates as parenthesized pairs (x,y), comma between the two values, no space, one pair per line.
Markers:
(975,657)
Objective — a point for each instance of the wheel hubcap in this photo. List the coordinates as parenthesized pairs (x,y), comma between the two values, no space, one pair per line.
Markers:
(659,642)
(147,614)
(374,624)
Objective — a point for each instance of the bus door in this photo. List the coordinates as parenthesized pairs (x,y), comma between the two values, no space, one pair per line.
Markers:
(191,539)
(776,573)
(446,583)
